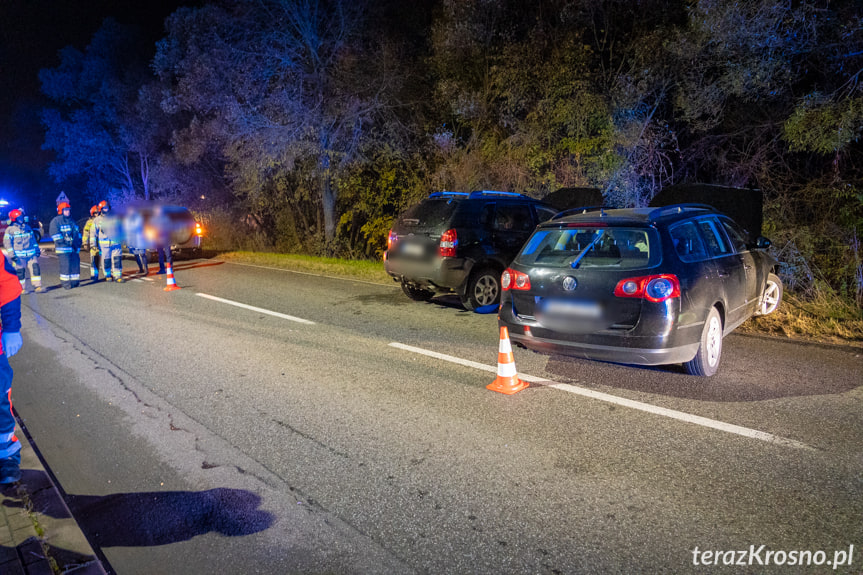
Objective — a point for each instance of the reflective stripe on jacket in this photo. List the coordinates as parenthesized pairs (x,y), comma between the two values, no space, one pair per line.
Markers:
(20,241)
(106,232)
(85,233)
(66,235)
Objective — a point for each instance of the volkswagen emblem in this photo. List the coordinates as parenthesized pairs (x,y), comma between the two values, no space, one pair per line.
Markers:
(569,283)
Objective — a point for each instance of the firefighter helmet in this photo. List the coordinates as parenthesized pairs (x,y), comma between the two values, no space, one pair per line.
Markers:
(94,210)
(104,204)
(62,206)
(15,214)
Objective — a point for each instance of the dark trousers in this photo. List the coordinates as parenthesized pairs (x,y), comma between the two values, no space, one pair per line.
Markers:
(141,259)
(165,258)
(95,264)
(10,448)
(70,269)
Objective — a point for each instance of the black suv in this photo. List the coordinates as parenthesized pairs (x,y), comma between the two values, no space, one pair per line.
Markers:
(644,286)
(459,242)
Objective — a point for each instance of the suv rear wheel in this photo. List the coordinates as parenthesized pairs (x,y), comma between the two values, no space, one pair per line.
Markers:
(416,293)
(482,289)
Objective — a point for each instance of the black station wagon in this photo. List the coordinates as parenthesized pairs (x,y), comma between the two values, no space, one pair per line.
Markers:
(644,286)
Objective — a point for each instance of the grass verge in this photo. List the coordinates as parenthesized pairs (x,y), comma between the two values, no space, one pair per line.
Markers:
(371,271)
(824,320)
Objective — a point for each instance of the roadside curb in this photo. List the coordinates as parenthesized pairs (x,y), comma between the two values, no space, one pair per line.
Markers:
(38,534)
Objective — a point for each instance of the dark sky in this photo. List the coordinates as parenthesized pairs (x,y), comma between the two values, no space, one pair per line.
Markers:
(31,34)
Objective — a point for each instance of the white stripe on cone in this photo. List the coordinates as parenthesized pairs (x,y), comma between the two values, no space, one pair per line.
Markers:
(506,369)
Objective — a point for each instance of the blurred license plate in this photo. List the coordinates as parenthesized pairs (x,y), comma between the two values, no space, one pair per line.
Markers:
(572,308)
(412,249)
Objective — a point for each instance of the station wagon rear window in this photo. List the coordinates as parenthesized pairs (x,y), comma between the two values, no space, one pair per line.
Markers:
(592,247)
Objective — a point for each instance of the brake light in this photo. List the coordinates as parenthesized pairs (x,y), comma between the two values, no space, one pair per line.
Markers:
(512,279)
(199,231)
(655,288)
(448,244)
(392,237)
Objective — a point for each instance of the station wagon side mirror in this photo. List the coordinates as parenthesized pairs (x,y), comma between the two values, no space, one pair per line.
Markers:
(762,243)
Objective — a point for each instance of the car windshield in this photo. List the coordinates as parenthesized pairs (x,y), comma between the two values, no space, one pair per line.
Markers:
(591,247)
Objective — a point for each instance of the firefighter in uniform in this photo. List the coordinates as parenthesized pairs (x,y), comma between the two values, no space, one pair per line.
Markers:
(10,338)
(21,248)
(107,233)
(95,257)
(67,244)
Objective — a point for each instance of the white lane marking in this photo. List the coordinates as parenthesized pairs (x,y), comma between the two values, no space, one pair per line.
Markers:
(598,395)
(257,309)
(449,358)
(307,273)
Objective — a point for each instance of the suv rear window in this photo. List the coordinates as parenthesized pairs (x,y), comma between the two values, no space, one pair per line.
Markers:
(429,215)
(613,247)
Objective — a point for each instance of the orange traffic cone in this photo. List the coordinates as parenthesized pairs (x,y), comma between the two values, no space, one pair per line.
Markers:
(507,379)
(172,285)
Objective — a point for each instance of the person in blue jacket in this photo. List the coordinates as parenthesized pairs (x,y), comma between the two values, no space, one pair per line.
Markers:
(11,342)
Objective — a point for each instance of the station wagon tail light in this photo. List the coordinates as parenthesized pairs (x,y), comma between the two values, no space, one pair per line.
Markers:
(512,279)
(448,244)
(392,237)
(656,288)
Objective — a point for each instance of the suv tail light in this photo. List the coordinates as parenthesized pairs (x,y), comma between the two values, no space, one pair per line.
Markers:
(392,237)
(448,244)
(512,279)
(656,288)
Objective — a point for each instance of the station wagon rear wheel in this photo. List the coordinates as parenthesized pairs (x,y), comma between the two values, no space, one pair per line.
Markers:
(482,289)
(706,360)
(772,296)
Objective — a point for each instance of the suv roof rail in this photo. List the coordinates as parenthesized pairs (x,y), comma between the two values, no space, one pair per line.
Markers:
(679,208)
(448,194)
(581,210)
(481,193)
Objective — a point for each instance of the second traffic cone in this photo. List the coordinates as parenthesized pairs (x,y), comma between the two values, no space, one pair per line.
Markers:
(172,284)
(507,379)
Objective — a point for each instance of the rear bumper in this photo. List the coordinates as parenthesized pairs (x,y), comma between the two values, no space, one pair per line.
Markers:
(612,353)
(613,345)
(439,274)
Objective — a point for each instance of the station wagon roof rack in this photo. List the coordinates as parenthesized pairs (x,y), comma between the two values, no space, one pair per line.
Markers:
(679,208)
(482,193)
(447,194)
(581,210)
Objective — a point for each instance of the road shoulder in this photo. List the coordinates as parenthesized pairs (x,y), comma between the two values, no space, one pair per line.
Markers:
(37,532)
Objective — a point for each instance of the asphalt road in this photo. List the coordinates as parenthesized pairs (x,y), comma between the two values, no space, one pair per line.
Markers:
(195,436)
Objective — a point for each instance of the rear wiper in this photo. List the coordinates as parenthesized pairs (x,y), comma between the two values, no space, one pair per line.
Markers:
(583,253)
